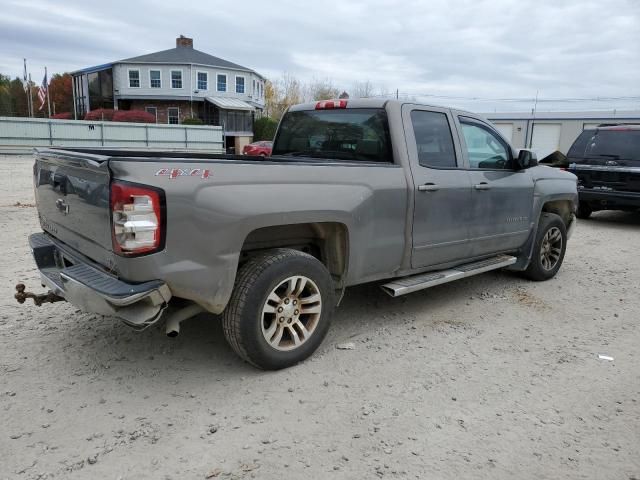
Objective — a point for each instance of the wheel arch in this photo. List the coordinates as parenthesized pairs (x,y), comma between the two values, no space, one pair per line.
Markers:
(327,241)
(564,208)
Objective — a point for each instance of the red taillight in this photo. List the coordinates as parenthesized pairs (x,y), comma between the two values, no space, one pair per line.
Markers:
(136,219)
(331,104)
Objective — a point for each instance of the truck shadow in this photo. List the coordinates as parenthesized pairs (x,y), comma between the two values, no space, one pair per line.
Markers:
(613,218)
(202,351)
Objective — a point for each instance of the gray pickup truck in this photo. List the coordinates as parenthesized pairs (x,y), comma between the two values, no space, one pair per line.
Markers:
(355,191)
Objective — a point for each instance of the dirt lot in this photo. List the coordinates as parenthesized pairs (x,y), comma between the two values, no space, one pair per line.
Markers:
(492,377)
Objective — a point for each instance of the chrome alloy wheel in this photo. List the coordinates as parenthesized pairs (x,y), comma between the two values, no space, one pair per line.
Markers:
(291,313)
(551,248)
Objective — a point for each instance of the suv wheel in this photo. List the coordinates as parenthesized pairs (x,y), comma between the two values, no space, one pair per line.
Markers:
(549,248)
(584,210)
(280,309)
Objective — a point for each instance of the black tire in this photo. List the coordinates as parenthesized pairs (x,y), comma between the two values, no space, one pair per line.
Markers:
(537,270)
(584,211)
(243,319)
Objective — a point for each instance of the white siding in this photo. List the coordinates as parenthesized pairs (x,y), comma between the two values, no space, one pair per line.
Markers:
(189,82)
(546,138)
(506,129)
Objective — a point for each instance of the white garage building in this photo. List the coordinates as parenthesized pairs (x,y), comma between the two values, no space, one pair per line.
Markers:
(546,132)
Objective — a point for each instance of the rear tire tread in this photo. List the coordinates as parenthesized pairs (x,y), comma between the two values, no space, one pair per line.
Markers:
(247,276)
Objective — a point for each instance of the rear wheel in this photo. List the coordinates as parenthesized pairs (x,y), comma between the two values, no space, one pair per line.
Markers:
(280,309)
(584,210)
(549,249)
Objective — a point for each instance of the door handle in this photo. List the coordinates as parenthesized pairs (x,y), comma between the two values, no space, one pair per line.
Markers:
(428,187)
(482,186)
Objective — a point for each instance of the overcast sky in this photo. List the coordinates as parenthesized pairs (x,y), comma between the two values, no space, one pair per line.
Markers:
(484,49)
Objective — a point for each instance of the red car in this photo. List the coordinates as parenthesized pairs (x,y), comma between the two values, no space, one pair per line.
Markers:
(262,149)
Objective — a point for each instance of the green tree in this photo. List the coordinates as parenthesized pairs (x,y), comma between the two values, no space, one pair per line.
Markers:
(5,97)
(264,128)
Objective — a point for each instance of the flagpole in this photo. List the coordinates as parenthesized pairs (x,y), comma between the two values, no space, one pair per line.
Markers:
(46,76)
(25,80)
(31,112)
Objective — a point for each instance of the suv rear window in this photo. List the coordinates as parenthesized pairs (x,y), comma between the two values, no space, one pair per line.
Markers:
(360,134)
(576,152)
(619,144)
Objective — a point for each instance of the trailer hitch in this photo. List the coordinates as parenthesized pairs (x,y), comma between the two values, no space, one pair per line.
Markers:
(48,297)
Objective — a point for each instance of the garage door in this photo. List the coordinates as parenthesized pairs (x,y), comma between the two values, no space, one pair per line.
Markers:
(546,138)
(506,129)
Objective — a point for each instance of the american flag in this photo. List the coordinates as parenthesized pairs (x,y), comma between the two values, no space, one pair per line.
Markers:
(42,92)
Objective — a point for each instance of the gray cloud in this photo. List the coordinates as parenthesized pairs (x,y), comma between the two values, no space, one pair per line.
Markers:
(464,48)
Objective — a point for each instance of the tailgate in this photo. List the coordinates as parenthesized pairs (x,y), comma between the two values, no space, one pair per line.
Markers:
(72,196)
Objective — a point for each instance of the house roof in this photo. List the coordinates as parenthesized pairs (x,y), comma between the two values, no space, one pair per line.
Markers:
(185,55)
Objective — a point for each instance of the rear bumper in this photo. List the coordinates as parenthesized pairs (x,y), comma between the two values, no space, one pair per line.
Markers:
(90,289)
(609,199)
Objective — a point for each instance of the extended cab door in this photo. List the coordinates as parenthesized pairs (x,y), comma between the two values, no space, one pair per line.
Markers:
(442,189)
(501,196)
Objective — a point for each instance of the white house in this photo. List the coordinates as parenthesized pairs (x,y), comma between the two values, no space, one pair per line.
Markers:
(176,84)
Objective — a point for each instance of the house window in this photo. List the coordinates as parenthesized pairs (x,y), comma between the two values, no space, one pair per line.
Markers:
(254,87)
(173,115)
(155,80)
(153,111)
(134,78)
(239,84)
(176,78)
(203,81)
(222,83)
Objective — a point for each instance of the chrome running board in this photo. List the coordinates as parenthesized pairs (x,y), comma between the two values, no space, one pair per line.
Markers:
(404,285)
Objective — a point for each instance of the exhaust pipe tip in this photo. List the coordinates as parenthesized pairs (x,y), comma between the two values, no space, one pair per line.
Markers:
(172,333)
(176,316)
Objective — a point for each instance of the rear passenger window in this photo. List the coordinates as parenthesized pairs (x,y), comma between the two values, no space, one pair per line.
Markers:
(433,139)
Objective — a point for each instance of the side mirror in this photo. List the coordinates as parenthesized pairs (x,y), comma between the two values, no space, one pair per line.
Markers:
(526,159)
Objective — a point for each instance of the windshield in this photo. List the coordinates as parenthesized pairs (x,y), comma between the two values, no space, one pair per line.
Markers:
(360,134)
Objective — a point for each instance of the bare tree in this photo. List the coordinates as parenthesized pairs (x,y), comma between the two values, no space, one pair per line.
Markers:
(362,90)
(281,94)
(321,90)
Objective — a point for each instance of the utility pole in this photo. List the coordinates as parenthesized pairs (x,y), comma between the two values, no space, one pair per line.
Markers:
(533,123)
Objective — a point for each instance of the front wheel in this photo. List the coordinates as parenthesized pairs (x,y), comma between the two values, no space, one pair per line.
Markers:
(280,309)
(549,249)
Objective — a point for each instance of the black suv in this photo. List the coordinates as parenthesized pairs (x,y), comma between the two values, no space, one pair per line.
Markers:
(607,163)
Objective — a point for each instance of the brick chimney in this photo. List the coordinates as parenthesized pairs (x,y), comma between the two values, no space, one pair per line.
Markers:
(184,42)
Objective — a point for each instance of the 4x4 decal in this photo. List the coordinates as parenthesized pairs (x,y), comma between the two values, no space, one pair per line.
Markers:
(173,173)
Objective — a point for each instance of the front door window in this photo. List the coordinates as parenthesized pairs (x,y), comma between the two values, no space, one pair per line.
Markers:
(484,148)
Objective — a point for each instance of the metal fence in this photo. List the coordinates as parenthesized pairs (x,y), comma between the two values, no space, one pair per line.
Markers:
(18,134)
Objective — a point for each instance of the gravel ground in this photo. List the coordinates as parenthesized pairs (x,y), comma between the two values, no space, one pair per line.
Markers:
(490,377)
